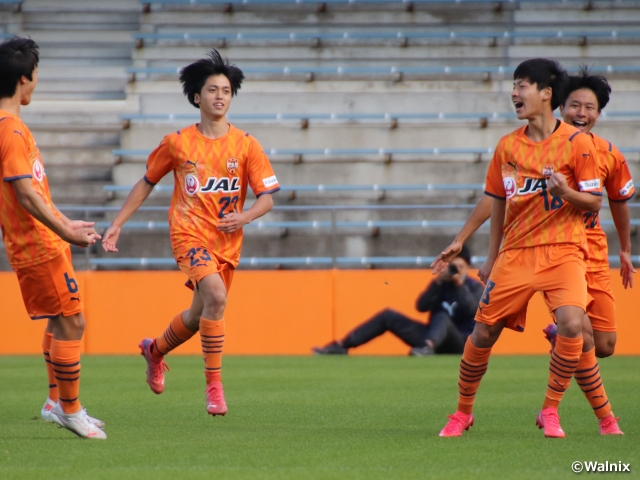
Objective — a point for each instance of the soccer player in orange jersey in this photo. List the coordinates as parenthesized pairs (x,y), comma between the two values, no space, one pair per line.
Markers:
(585,97)
(213,163)
(37,238)
(542,177)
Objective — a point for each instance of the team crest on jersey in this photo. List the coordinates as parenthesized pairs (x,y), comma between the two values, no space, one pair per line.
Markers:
(232,166)
(547,171)
(191,185)
(509,186)
(38,170)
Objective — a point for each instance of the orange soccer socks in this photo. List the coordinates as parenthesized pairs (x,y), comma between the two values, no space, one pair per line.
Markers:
(46,347)
(65,360)
(472,367)
(212,337)
(564,361)
(588,377)
(175,334)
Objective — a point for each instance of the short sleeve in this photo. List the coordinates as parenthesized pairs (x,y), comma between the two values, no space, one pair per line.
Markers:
(586,171)
(160,161)
(262,179)
(14,154)
(619,183)
(494,185)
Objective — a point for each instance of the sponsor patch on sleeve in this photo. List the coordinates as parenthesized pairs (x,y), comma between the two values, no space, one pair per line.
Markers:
(626,190)
(589,185)
(270,181)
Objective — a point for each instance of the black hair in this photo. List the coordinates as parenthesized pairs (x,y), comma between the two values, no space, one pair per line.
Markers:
(18,58)
(465,254)
(194,76)
(544,73)
(596,83)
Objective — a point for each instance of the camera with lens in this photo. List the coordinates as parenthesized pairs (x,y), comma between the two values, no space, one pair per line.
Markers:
(452,269)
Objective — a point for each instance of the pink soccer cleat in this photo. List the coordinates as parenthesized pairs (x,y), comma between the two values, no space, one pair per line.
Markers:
(550,333)
(216,404)
(550,421)
(155,368)
(458,423)
(609,425)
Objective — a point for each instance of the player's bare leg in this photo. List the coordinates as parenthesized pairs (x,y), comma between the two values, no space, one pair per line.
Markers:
(214,298)
(605,343)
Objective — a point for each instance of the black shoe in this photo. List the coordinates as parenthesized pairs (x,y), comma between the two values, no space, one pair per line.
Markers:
(425,351)
(332,348)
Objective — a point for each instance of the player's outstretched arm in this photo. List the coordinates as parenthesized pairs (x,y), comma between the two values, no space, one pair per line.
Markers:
(621,219)
(83,236)
(136,197)
(480,214)
(236,220)
(495,239)
(557,184)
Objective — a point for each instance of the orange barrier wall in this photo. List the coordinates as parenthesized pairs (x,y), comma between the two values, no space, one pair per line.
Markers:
(268,312)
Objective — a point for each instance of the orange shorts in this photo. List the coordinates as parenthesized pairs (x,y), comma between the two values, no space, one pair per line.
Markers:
(602,311)
(50,289)
(198,262)
(558,271)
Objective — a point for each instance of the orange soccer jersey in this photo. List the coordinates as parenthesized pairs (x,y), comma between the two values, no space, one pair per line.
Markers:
(27,241)
(518,173)
(211,179)
(616,178)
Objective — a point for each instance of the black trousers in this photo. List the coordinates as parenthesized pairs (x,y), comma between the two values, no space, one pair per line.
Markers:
(441,331)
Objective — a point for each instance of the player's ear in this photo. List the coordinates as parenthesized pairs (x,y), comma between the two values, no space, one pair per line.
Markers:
(196,98)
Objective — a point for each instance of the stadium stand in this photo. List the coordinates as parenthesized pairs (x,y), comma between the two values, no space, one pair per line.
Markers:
(356,102)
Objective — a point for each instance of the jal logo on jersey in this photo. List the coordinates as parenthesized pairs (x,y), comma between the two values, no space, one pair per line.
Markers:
(191,185)
(533,185)
(232,166)
(38,171)
(509,186)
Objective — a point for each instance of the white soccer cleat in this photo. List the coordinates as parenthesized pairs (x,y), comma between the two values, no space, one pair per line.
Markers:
(78,423)
(47,416)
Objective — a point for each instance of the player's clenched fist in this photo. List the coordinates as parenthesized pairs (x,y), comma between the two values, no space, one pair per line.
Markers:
(557,185)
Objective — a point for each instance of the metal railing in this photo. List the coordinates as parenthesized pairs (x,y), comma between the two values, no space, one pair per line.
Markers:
(350,117)
(385,153)
(388,35)
(333,225)
(322,188)
(346,2)
(305,261)
(341,71)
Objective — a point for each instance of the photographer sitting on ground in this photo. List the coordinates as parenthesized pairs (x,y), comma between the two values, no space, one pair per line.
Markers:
(452,298)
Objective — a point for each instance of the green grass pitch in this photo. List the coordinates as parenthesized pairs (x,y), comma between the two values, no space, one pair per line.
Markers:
(311,417)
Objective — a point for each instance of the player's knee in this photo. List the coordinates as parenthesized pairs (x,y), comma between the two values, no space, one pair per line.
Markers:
(69,328)
(605,349)
(216,300)
(484,336)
